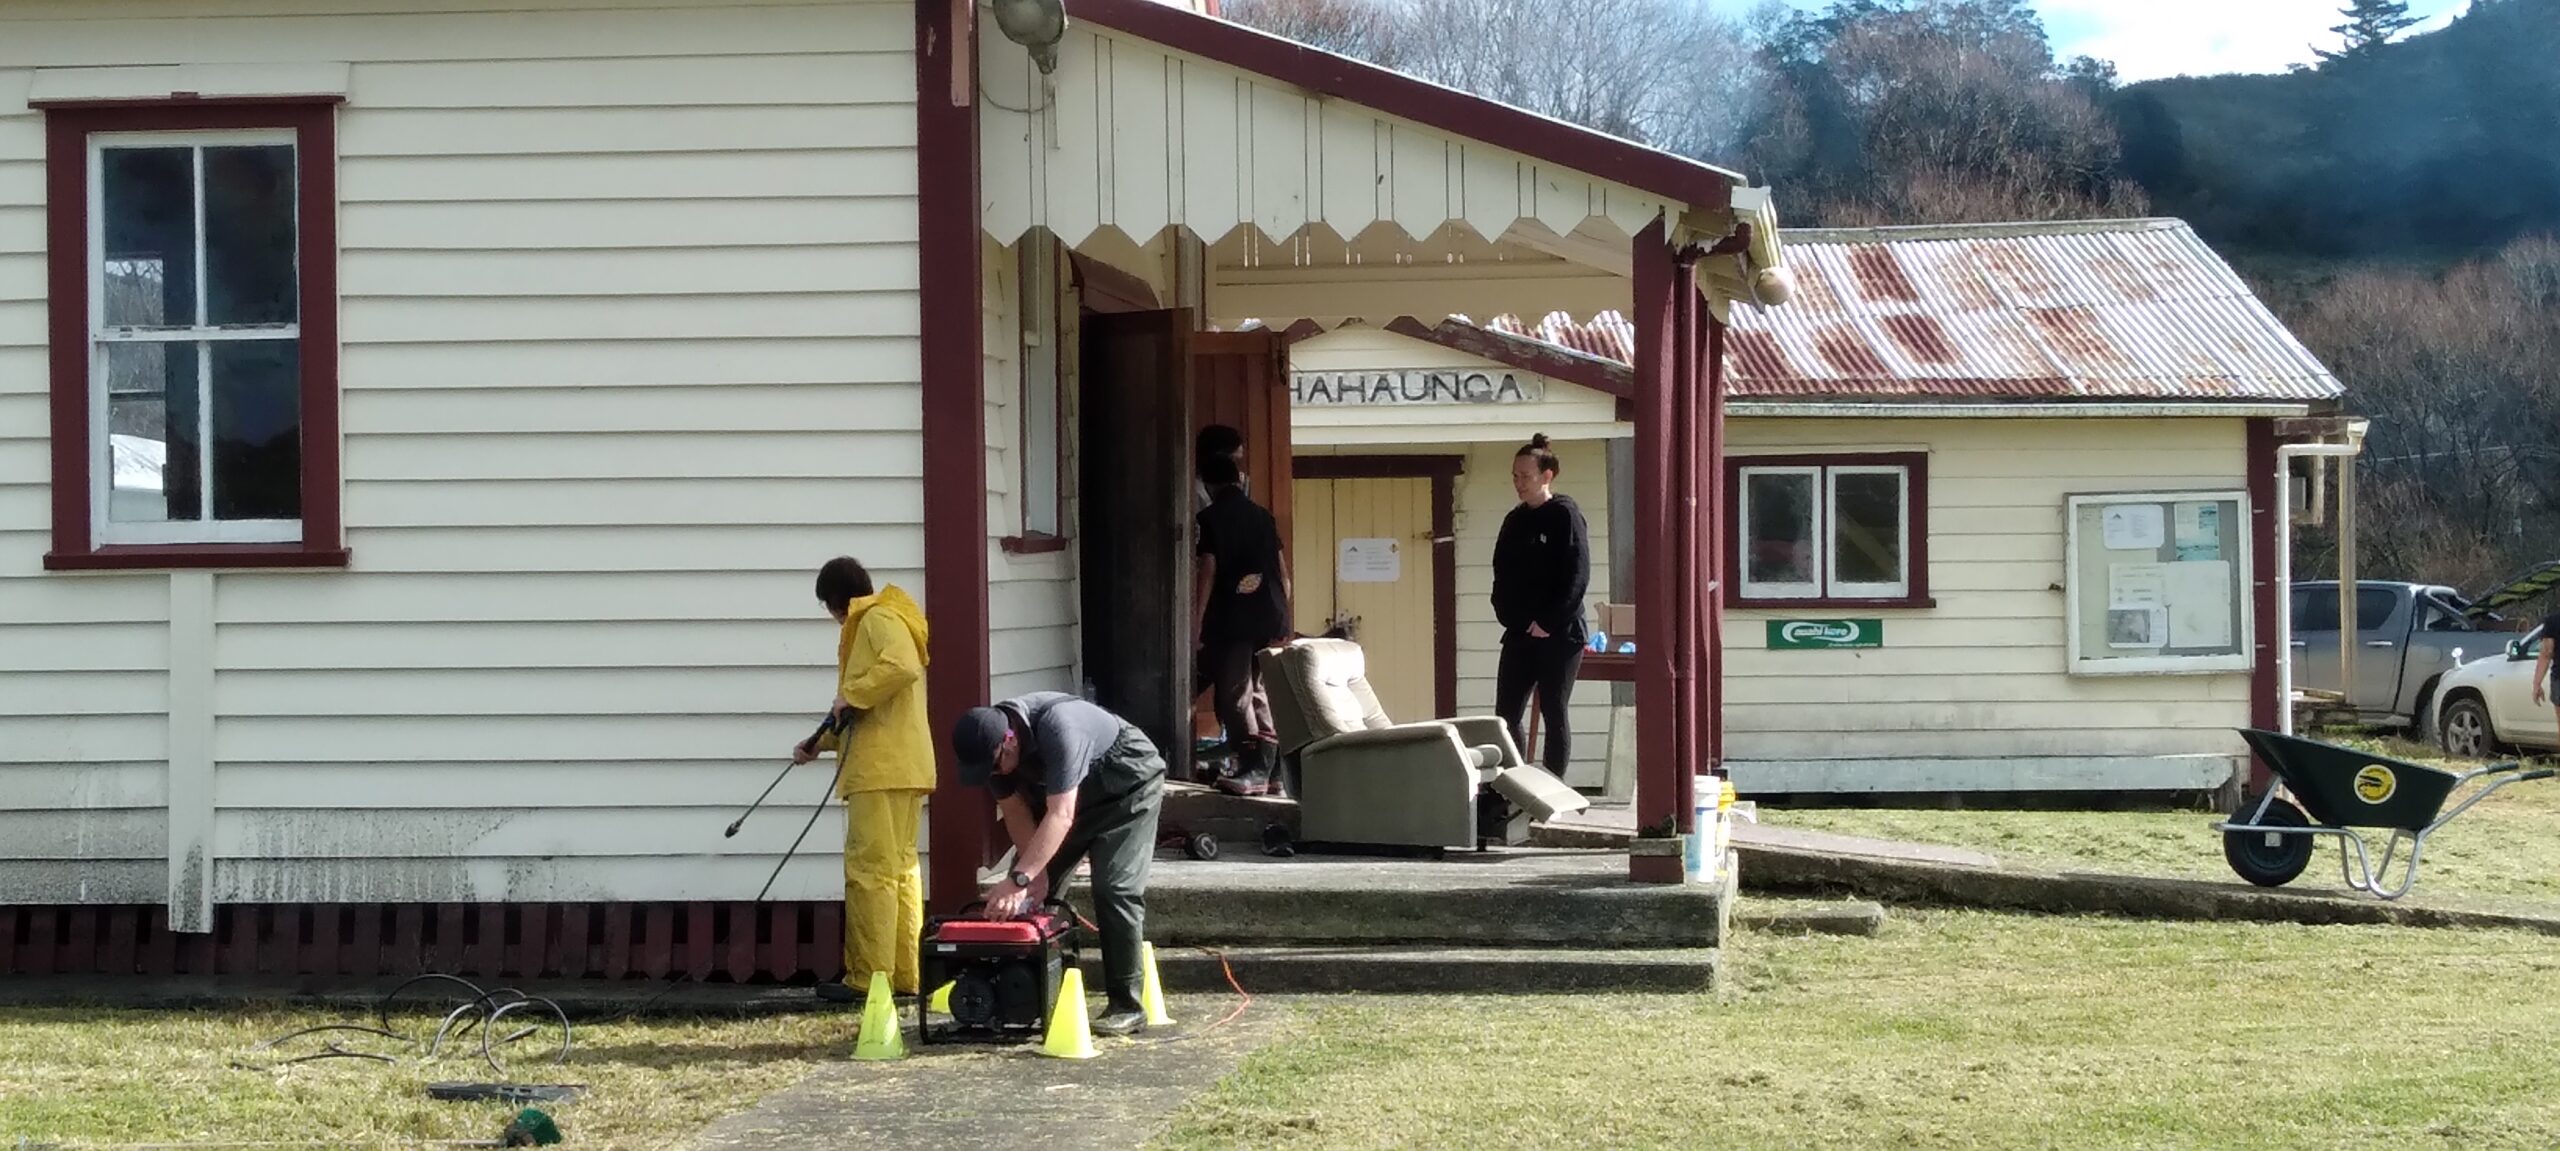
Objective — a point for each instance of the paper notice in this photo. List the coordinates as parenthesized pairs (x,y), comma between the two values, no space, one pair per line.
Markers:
(2199,528)
(1375,560)
(2137,585)
(2134,627)
(2133,527)
(2200,605)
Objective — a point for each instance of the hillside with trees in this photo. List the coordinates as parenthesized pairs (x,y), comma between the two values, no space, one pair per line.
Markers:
(2394,201)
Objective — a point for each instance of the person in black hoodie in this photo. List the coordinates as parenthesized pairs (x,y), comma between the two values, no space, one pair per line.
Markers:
(1541,568)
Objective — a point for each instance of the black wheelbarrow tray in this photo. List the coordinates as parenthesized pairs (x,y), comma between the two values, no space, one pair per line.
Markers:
(2331,790)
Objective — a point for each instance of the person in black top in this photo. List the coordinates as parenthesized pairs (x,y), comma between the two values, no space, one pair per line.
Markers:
(1541,568)
(1239,605)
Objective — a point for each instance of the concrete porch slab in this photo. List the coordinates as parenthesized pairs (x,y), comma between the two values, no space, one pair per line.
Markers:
(1503,898)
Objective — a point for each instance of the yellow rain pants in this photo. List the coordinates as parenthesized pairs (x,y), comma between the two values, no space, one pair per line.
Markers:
(883,888)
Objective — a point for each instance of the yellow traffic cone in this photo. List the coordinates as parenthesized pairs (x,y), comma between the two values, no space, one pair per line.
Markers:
(1070,1033)
(940,1004)
(1152,995)
(881,1039)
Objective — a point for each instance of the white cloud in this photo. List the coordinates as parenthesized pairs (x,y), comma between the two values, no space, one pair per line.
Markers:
(2155,38)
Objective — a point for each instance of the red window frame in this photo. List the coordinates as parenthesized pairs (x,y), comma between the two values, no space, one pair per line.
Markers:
(1915,467)
(68,126)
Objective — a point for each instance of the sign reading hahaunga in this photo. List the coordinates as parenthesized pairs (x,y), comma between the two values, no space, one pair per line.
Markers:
(1414,387)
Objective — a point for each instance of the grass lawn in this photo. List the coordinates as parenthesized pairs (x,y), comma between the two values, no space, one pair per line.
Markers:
(2506,851)
(99,1076)
(1953,1029)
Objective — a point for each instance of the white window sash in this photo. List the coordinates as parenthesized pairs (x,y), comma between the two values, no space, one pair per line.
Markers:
(1841,589)
(1040,376)
(204,529)
(1818,530)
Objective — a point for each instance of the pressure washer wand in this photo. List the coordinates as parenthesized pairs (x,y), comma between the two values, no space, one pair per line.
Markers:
(824,726)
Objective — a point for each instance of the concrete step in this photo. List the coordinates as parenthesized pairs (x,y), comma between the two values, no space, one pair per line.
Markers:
(1521,899)
(1426,970)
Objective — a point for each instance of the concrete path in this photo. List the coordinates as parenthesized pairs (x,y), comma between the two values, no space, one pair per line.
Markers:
(1004,1098)
(1784,860)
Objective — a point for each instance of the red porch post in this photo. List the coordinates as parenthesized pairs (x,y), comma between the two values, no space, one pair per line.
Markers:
(1676,522)
(1656,698)
(1719,537)
(955,432)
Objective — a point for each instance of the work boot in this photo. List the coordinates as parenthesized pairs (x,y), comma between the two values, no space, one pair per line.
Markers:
(835,992)
(1117,1020)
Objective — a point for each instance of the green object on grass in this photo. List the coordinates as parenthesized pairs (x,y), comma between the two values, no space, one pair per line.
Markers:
(531,1128)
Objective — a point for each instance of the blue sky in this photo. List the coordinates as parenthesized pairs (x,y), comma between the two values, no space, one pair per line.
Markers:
(2149,39)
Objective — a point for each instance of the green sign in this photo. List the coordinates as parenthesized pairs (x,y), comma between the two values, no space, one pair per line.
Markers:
(1825,634)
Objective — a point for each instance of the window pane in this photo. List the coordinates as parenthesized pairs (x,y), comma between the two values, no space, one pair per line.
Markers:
(1866,521)
(149,206)
(1779,546)
(2316,609)
(2374,607)
(151,433)
(249,235)
(257,430)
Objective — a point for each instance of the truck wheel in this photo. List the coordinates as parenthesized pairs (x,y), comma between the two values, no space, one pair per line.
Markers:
(2467,732)
(2418,732)
(2268,858)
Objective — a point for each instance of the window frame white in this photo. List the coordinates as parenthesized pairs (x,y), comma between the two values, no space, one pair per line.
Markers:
(1040,390)
(205,530)
(1832,587)
(1790,589)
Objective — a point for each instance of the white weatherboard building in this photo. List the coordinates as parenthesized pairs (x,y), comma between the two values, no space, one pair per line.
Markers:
(510,366)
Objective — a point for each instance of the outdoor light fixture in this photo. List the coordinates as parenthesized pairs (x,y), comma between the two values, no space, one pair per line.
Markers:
(1035,24)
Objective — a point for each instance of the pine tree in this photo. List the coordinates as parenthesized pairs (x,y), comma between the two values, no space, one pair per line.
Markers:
(2370,25)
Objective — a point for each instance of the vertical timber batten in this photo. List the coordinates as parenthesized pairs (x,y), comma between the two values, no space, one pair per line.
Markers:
(1719,537)
(955,433)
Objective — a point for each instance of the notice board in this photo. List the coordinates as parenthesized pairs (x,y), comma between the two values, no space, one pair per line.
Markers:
(2157,583)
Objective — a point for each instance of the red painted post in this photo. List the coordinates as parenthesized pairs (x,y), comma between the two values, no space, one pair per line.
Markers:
(1656,694)
(2266,707)
(1680,626)
(955,432)
(1719,538)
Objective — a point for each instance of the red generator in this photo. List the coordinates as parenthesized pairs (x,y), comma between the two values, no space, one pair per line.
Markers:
(1004,974)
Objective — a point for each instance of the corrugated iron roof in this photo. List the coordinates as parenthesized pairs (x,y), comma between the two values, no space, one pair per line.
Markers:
(2097,310)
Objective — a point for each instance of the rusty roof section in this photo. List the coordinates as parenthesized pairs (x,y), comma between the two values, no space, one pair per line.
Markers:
(2108,310)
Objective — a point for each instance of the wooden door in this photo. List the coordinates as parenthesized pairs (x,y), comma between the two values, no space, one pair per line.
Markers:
(1241,379)
(1385,587)
(1135,492)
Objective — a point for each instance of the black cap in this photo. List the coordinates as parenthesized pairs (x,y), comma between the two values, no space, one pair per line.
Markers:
(974,740)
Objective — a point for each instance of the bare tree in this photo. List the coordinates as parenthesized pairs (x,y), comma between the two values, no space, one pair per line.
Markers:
(1668,73)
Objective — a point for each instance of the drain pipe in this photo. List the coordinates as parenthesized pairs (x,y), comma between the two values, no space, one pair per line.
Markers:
(2284,569)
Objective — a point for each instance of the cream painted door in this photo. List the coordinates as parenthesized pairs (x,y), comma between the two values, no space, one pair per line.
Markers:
(1384,590)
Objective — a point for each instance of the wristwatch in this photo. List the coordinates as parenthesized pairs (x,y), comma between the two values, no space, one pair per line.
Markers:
(1019,880)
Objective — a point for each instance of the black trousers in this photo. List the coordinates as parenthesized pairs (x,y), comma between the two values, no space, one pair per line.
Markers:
(1547,666)
(1119,832)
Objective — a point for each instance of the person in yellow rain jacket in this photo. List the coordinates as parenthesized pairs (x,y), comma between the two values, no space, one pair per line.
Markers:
(884,754)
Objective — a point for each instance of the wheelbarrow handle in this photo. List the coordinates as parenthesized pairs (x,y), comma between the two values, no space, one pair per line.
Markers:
(2539,773)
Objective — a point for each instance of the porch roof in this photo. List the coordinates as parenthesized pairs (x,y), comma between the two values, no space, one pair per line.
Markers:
(1176,119)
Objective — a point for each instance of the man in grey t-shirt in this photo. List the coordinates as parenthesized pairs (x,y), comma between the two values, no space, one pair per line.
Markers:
(1071,779)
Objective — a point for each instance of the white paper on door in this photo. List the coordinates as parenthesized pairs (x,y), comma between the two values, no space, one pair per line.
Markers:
(1371,560)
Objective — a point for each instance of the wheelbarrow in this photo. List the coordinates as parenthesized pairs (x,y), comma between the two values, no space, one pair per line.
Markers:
(2325,789)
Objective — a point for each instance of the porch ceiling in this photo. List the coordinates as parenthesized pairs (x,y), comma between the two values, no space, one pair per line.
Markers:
(1132,134)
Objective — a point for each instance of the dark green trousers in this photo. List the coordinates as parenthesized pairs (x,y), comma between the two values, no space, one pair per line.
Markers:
(1116,825)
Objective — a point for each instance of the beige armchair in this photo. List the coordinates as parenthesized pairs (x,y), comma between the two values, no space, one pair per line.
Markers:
(1364,779)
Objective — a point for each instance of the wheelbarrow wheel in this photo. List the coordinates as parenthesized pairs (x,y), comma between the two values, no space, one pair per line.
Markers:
(2265,863)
